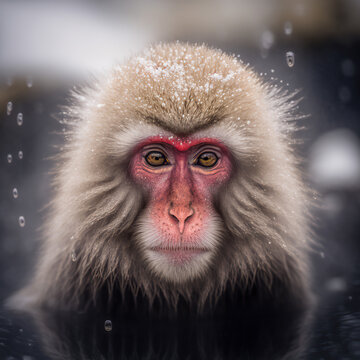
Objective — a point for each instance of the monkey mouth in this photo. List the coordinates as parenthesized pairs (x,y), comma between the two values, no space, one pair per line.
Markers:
(180,254)
(179,248)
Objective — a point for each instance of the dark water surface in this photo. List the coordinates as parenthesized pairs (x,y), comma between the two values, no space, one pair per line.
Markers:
(331,331)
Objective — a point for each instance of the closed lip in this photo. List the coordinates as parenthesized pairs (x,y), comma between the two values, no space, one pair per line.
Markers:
(184,249)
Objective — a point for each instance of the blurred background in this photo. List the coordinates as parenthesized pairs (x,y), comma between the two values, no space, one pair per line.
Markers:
(49,47)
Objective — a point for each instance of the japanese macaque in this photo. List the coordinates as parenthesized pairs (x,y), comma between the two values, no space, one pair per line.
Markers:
(178,180)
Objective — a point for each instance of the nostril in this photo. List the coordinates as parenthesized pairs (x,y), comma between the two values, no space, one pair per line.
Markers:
(191,211)
(181,213)
(173,215)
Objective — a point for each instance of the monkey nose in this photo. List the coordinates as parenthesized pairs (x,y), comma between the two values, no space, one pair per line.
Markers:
(181,214)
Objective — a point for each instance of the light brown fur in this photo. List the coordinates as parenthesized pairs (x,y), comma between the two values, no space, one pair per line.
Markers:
(181,89)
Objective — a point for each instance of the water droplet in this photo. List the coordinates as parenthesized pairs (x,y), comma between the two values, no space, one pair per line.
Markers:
(288,28)
(73,256)
(322,255)
(20,154)
(21,221)
(267,39)
(9,81)
(9,107)
(15,193)
(290,58)
(9,158)
(108,325)
(29,82)
(19,119)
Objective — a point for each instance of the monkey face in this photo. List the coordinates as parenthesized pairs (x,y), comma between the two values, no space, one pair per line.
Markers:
(179,231)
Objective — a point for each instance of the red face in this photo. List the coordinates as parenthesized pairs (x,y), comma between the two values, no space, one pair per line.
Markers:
(180,176)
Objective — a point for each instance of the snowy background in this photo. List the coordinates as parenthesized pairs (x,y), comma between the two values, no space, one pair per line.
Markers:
(49,47)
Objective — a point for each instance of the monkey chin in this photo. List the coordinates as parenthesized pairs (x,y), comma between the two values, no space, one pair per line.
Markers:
(179,264)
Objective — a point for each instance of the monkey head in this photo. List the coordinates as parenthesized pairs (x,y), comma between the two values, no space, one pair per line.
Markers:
(178,177)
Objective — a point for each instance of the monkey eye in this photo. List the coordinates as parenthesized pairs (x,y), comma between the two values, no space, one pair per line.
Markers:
(156,158)
(206,159)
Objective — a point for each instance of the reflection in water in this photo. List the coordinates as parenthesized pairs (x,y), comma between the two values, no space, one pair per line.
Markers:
(255,334)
